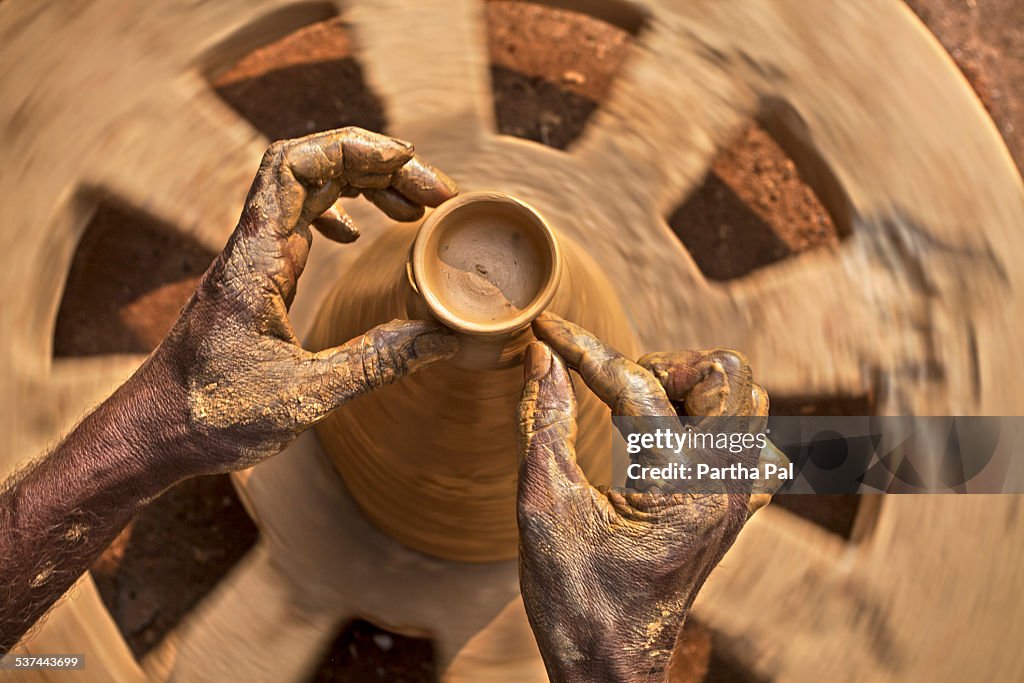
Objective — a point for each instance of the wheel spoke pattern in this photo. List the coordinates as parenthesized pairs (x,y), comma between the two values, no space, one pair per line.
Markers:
(428,62)
(655,136)
(214,155)
(923,298)
(847,322)
(72,387)
(786,585)
(797,323)
(323,562)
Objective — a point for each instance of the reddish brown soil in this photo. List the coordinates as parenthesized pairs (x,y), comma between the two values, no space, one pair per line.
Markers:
(130,277)
(548,94)
(363,652)
(836,512)
(986,40)
(280,88)
(170,556)
(550,70)
(752,210)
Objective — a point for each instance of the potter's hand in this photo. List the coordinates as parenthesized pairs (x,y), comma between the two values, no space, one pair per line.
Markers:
(230,384)
(608,576)
(241,380)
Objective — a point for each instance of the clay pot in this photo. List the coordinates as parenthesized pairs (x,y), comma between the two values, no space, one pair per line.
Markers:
(486,264)
(432,459)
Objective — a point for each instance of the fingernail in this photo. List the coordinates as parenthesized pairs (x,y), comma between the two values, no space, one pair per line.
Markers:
(542,323)
(448,185)
(537,361)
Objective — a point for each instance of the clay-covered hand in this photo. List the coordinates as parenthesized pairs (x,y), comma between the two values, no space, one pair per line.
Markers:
(236,375)
(608,575)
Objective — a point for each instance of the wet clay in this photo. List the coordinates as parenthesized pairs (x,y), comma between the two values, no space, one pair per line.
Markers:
(432,460)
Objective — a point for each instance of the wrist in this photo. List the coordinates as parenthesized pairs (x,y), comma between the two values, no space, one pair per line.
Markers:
(612,662)
(608,672)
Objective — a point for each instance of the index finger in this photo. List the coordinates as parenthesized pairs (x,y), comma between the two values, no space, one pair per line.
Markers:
(345,154)
(422,184)
(627,388)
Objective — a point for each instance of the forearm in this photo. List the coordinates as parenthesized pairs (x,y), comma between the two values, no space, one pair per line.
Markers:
(58,515)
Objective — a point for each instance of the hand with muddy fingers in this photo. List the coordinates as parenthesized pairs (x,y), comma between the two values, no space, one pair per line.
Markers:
(242,383)
(608,576)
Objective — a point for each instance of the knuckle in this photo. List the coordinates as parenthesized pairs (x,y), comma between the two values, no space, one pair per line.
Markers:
(662,363)
(276,150)
(634,381)
(654,358)
(647,361)
(638,378)
(371,367)
(379,362)
(730,359)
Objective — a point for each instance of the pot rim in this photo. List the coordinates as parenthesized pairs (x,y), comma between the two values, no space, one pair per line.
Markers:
(419,256)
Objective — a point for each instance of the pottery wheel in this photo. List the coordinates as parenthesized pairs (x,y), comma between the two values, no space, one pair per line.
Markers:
(921,304)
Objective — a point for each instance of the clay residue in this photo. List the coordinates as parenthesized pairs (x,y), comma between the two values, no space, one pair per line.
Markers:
(476,293)
(487,270)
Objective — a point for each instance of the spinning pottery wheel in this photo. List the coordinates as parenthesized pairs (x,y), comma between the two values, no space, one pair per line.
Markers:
(921,304)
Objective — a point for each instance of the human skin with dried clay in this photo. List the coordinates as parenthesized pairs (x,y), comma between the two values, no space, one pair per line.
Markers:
(607,576)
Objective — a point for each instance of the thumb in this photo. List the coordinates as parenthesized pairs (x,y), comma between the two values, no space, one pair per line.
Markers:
(546,430)
(381,356)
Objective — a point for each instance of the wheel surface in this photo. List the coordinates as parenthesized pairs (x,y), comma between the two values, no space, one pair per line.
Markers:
(921,304)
